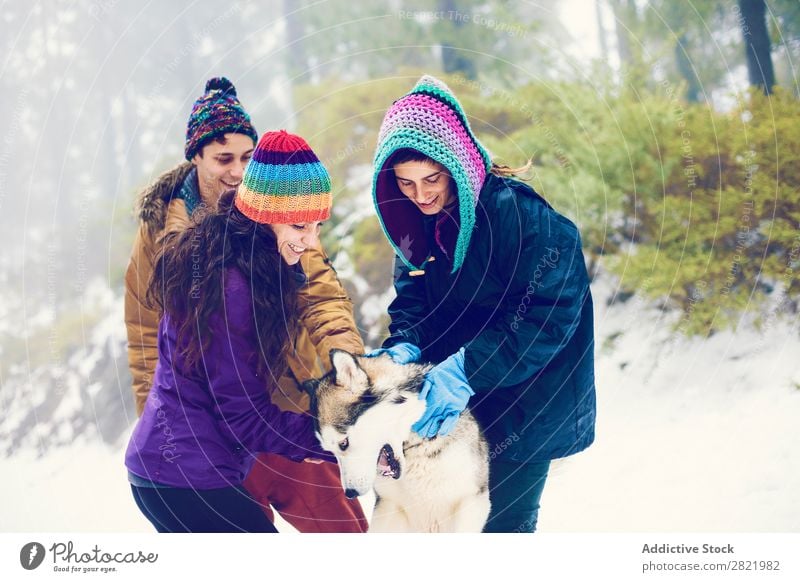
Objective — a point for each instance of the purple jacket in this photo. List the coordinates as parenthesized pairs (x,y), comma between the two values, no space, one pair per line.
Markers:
(203,430)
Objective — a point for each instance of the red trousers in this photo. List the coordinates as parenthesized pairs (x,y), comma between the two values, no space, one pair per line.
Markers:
(309,496)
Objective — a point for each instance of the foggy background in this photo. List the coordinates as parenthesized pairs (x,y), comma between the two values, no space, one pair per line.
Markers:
(648,126)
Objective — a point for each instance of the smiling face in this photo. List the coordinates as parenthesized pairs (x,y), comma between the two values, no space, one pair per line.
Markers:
(295,239)
(426,183)
(220,166)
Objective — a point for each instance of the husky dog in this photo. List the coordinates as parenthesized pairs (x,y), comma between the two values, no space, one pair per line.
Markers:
(364,409)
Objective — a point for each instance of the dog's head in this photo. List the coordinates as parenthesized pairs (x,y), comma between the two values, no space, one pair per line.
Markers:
(364,408)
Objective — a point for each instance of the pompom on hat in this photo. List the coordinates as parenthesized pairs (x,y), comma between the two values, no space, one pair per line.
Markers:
(284,182)
(217,112)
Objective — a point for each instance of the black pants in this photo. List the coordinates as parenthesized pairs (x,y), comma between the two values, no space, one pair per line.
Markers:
(515,490)
(226,510)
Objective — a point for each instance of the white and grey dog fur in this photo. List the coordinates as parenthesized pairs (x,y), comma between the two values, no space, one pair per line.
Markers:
(364,409)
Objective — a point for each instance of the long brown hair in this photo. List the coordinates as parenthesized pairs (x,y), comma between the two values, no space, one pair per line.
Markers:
(187,283)
(504,171)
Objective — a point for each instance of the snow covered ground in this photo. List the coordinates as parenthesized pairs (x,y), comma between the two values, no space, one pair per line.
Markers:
(692,436)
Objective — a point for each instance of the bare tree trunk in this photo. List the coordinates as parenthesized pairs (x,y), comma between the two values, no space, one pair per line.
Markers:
(297,60)
(757,44)
(454,60)
(686,70)
(622,21)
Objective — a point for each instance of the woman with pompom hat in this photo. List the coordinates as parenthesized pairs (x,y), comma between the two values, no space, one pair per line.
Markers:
(228,289)
(491,287)
(220,140)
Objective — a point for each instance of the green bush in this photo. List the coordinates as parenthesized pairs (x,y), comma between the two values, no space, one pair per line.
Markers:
(687,205)
(724,237)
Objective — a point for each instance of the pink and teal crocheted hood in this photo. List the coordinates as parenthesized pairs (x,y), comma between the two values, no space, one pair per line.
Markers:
(431,121)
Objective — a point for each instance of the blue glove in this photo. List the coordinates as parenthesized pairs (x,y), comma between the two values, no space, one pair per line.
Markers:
(402,353)
(446,392)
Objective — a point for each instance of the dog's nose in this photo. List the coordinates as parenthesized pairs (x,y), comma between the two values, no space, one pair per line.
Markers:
(350,493)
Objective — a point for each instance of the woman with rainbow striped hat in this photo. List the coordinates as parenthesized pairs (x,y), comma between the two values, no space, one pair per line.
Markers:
(228,289)
(491,287)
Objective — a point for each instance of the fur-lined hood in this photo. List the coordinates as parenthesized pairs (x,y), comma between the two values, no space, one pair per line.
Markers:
(151,206)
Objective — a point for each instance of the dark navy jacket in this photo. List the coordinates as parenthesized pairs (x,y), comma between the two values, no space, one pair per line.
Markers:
(522,307)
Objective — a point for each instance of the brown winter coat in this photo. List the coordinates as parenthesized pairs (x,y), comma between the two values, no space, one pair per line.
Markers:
(326,310)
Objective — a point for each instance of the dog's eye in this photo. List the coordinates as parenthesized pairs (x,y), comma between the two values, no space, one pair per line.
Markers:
(344,444)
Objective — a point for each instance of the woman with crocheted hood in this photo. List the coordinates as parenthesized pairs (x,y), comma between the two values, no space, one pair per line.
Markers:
(492,288)
(228,287)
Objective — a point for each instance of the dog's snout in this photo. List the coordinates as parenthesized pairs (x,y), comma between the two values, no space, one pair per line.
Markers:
(350,493)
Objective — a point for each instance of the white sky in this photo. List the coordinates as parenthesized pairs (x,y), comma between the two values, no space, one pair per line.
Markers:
(580,19)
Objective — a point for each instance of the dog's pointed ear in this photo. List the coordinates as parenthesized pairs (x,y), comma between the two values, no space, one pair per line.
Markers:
(310,387)
(347,371)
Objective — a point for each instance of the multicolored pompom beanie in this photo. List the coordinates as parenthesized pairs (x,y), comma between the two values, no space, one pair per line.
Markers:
(284,182)
(217,112)
(431,121)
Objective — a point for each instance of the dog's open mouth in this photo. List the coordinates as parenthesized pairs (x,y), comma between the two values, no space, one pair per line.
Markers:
(387,464)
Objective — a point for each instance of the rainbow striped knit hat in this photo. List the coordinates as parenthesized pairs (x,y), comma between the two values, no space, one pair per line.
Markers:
(215,113)
(431,121)
(284,182)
